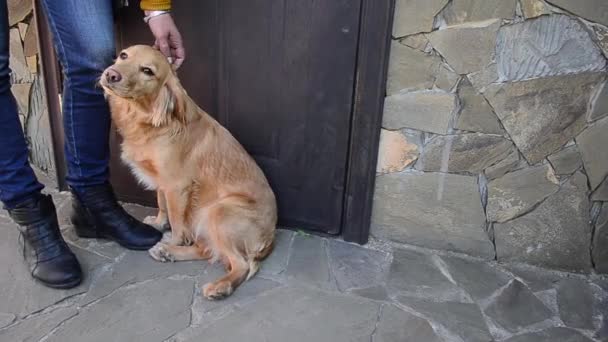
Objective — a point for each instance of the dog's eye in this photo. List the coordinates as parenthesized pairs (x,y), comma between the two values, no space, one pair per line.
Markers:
(147,71)
(123,55)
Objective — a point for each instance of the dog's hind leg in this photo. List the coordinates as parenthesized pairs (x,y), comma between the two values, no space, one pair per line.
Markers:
(165,253)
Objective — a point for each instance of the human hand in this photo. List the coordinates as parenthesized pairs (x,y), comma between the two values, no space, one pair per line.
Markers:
(168,39)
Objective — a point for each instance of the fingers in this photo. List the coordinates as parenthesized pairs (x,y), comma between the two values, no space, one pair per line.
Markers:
(163,46)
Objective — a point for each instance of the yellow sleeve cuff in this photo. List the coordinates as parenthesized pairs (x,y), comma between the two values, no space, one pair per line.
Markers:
(155,5)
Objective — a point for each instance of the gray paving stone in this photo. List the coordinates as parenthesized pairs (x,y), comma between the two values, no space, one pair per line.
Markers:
(6,319)
(106,248)
(575,302)
(416,274)
(151,311)
(535,278)
(479,279)
(357,267)
(551,335)
(20,294)
(600,107)
(295,314)
(601,193)
(378,292)
(461,319)
(308,262)
(245,293)
(35,328)
(137,266)
(276,262)
(398,325)
(516,307)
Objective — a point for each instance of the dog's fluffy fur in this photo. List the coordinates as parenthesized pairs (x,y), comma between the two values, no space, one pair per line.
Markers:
(211,193)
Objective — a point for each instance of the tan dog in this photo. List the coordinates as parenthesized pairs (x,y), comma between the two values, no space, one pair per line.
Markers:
(210,191)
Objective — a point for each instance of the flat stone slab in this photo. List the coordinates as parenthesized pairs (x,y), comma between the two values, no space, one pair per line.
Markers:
(467,47)
(542,115)
(418,275)
(547,46)
(470,153)
(479,279)
(408,22)
(600,241)
(516,307)
(355,267)
(428,111)
(595,157)
(21,295)
(37,327)
(535,278)
(309,262)
(562,221)
(476,115)
(594,10)
(410,69)
(566,161)
(398,325)
(276,262)
(298,314)
(460,319)
(575,302)
(551,335)
(517,192)
(150,311)
(434,210)
(462,11)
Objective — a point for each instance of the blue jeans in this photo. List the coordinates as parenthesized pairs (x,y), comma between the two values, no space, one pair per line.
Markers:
(84,41)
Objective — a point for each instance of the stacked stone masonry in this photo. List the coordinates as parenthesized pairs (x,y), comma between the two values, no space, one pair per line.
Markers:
(494,139)
(28,83)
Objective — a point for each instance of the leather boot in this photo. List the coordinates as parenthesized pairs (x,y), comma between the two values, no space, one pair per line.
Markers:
(51,260)
(97,214)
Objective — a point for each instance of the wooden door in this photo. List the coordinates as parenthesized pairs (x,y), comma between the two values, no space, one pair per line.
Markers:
(280,75)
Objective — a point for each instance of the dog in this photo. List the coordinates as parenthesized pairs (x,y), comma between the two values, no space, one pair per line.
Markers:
(210,192)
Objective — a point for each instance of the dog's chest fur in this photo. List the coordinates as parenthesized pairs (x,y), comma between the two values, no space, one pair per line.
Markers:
(143,169)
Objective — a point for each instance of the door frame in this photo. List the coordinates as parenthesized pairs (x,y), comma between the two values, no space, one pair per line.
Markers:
(368,103)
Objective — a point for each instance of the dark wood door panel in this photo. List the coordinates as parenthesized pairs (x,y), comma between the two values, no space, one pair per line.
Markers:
(286,86)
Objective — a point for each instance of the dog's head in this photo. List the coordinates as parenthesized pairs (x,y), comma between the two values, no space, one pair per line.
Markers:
(143,75)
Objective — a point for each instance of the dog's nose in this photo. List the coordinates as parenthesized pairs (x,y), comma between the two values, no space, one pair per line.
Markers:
(112,76)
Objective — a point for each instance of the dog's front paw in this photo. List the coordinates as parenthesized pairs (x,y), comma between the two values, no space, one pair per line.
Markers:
(154,222)
(161,253)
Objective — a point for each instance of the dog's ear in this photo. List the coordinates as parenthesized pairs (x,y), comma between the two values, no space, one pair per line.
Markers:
(169,105)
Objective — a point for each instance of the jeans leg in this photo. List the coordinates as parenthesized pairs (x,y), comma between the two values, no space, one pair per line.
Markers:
(17,179)
(83,33)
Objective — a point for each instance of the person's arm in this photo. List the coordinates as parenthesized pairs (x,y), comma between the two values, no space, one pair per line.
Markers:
(168,39)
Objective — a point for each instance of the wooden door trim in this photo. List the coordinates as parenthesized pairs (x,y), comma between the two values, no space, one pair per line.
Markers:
(51,73)
(368,104)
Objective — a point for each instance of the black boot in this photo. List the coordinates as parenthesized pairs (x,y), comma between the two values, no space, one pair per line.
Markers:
(51,260)
(97,214)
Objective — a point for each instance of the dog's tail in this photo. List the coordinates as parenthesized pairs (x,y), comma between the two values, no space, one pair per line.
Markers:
(254,263)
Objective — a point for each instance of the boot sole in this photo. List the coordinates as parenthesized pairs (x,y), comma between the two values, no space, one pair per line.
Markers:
(86,232)
(63,286)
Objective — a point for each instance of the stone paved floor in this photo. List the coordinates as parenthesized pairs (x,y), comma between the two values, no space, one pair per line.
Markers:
(310,289)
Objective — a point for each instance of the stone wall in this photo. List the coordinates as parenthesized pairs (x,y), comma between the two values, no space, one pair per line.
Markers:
(495,131)
(28,83)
